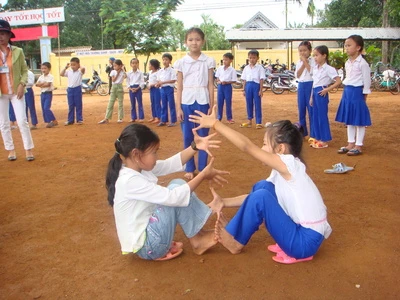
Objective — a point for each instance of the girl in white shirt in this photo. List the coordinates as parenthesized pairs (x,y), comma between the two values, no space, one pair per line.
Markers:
(117,76)
(323,76)
(353,109)
(146,213)
(304,76)
(155,96)
(288,202)
(195,91)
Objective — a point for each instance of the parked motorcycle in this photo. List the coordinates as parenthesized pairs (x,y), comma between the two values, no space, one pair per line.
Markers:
(97,85)
(282,82)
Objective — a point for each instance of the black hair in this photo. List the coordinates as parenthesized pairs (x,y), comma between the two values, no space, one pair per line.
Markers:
(307,44)
(75,59)
(118,62)
(167,55)
(134,136)
(195,30)
(358,39)
(155,63)
(323,50)
(133,59)
(253,52)
(228,55)
(47,64)
(284,132)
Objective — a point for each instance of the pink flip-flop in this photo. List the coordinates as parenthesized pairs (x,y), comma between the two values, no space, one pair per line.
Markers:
(284,259)
(171,254)
(274,248)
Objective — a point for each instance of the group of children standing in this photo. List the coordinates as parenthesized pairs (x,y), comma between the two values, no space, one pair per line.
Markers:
(315,77)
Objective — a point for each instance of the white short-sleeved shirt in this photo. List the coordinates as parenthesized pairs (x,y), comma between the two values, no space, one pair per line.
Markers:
(136,197)
(324,75)
(226,74)
(306,75)
(74,78)
(358,73)
(195,78)
(47,78)
(31,79)
(253,73)
(153,77)
(299,197)
(120,77)
(135,78)
(167,74)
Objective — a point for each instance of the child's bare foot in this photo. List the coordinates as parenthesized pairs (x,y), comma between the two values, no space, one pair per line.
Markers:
(203,241)
(225,238)
(189,175)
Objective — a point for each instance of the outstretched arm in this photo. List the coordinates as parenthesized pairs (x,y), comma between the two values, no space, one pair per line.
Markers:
(240,141)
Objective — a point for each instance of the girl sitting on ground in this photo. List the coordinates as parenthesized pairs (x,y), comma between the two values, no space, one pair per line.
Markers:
(288,202)
(146,213)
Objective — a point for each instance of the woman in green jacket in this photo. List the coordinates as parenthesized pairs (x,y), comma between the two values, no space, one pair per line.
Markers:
(13,79)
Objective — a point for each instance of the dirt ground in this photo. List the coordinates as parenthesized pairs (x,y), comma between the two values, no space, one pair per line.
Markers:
(58,238)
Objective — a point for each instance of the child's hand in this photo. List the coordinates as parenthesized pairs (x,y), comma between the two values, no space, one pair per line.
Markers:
(217,203)
(260,93)
(214,174)
(204,121)
(204,143)
(311,101)
(179,114)
(323,92)
(67,66)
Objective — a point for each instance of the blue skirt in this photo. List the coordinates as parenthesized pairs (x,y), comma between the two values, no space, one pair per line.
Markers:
(353,109)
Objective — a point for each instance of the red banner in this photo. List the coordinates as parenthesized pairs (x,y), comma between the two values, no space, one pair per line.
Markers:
(33,33)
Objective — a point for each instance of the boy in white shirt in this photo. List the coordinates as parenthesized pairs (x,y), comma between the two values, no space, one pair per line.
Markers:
(45,82)
(166,81)
(135,83)
(74,91)
(225,75)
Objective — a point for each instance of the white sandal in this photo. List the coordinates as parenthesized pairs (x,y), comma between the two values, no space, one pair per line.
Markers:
(339,168)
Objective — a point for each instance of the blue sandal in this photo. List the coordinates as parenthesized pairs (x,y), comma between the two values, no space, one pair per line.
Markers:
(354,152)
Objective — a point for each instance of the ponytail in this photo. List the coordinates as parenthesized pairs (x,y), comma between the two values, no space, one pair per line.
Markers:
(134,136)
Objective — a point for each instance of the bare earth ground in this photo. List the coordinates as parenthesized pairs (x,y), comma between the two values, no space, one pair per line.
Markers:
(58,237)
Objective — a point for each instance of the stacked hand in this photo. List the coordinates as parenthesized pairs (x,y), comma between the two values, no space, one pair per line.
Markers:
(204,121)
(206,142)
(214,174)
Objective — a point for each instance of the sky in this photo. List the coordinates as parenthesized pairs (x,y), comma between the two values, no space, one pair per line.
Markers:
(229,13)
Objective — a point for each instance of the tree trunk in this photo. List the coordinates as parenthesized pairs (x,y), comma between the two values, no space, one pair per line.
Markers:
(385,23)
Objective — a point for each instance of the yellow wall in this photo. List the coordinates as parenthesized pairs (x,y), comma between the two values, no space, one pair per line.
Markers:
(99,62)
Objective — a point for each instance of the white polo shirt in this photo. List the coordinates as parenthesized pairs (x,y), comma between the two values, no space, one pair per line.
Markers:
(47,78)
(31,79)
(306,75)
(226,74)
(358,73)
(253,73)
(74,77)
(166,74)
(135,78)
(324,75)
(195,78)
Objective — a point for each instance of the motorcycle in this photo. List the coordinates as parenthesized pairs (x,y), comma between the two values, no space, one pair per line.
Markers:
(97,85)
(282,82)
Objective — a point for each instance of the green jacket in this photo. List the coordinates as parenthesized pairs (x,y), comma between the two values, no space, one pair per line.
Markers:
(19,68)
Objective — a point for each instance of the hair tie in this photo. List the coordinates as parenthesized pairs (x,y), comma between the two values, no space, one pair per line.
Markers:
(118,141)
(116,152)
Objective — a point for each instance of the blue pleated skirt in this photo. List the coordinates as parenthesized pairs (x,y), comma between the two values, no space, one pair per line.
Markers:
(353,109)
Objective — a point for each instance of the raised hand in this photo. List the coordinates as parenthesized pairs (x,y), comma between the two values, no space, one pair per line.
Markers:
(205,143)
(204,121)
(214,174)
(217,203)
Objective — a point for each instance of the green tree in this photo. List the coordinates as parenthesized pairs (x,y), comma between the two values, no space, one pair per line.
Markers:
(145,32)
(176,31)
(215,34)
